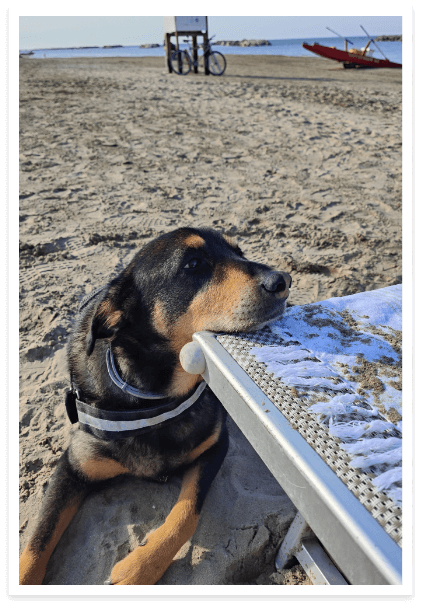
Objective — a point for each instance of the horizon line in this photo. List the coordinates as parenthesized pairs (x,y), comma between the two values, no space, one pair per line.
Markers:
(66,48)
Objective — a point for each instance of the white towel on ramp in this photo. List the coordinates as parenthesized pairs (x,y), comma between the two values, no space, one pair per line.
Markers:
(343,356)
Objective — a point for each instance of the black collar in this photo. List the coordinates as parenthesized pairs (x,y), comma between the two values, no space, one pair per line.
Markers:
(106,424)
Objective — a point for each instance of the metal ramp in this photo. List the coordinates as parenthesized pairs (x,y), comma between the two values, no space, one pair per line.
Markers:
(347,531)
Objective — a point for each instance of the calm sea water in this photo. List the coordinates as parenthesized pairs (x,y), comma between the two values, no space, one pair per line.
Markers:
(289,47)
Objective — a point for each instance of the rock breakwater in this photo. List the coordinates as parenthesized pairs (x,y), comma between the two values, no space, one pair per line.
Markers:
(242,43)
(396,38)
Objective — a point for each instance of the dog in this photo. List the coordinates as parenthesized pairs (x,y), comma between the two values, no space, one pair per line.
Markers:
(138,411)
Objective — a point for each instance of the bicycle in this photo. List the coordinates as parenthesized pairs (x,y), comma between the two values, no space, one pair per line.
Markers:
(182,63)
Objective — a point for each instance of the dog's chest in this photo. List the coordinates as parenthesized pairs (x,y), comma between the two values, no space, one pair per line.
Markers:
(151,463)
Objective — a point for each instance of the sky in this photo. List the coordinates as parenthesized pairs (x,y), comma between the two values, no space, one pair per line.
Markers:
(50,32)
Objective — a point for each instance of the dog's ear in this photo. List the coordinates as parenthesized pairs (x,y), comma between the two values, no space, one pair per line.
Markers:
(106,322)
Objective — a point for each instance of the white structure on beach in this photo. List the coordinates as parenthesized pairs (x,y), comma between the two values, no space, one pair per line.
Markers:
(185,26)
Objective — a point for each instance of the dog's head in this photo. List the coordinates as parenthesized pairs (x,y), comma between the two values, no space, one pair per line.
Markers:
(186,281)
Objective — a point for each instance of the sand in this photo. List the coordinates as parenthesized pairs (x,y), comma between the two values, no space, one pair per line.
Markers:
(297,158)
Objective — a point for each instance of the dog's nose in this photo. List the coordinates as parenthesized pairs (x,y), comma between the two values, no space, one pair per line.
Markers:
(276,282)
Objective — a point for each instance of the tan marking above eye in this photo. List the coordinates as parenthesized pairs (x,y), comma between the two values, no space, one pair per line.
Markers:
(231,241)
(194,240)
(110,314)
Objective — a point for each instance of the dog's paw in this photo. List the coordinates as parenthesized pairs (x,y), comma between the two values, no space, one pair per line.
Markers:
(143,566)
(129,570)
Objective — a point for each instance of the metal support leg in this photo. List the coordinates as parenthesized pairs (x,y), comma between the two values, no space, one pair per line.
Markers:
(206,42)
(300,542)
(292,542)
(168,52)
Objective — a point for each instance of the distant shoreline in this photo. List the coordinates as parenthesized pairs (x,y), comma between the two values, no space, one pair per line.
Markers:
(381,38)
(152,45)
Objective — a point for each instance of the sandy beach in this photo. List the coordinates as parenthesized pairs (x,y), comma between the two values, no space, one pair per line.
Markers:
(297,158)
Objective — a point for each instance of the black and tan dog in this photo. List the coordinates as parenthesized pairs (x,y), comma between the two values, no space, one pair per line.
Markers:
(160,419)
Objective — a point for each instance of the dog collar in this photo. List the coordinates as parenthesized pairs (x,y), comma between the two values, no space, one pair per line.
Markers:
(115,425)
(107,425)
(124,386)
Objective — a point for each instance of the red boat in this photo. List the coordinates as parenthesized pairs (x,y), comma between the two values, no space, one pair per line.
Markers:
(350,59)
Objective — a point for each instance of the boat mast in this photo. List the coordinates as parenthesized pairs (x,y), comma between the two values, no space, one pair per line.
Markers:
(345,39)
(372,40)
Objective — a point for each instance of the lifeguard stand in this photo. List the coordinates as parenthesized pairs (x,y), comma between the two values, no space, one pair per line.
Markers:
(185,26)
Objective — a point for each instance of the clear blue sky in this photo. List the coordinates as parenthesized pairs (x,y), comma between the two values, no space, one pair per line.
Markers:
(48,32)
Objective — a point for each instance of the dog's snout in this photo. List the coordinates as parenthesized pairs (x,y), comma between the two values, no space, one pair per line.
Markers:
(276,282)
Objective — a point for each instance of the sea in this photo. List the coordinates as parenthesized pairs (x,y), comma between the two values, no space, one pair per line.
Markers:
(288,47)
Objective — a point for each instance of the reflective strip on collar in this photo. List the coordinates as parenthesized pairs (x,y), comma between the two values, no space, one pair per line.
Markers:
(133,425)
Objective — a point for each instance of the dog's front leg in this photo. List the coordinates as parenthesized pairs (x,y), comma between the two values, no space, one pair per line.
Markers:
(145,565)
(64,495)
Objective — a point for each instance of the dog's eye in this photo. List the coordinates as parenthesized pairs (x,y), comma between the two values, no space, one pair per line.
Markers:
(194,263)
